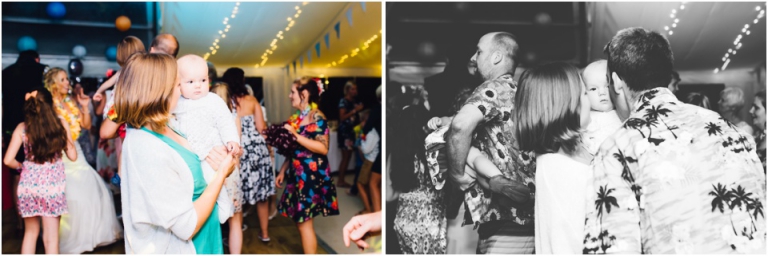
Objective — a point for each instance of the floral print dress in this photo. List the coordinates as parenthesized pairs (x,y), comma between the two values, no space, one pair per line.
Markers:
(41,186)
(346,131)
(420,221)
(309,188)
(676,178)
(256,176)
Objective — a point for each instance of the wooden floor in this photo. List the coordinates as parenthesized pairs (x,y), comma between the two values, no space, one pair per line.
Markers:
(282,231)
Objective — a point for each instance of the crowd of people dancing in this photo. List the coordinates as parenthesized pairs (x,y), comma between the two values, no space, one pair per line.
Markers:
(185,150)
(604,159)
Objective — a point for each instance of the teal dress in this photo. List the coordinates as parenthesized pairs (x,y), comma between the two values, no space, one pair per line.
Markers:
(208,239)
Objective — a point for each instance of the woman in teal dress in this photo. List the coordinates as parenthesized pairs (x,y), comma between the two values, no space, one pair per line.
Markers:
(168,207)
(309,189)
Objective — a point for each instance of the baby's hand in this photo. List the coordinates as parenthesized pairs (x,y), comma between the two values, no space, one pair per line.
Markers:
(435,123)
(233,147)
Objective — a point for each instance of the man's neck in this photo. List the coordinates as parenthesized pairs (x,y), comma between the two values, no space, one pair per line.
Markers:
(497,74)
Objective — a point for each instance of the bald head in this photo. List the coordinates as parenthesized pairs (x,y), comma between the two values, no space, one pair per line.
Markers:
(165,43)
(496,55)
(191,59)
(595,72)
(506,44)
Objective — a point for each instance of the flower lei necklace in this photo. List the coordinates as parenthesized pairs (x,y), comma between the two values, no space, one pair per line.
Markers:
(71,115)
(296,118)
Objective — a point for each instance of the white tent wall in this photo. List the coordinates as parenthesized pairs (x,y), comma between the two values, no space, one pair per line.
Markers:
(277,85)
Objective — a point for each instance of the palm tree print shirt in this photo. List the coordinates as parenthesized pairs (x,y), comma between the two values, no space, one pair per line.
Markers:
(493,136)
(675,178)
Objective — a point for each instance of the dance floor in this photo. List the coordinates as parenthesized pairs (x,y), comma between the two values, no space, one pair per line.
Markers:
(285,236)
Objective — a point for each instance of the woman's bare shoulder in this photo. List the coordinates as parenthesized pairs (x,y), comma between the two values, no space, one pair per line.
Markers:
(317,115)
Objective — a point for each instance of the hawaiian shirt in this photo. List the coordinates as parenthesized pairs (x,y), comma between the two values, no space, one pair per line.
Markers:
(675,178)
(494,137)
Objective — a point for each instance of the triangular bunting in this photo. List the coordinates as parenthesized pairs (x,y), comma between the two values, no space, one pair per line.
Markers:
(349,16)
(317,49)
(362,4)
(294,67)
(287,70)
(337,27)
(301,62)
(327,41)
(309,56)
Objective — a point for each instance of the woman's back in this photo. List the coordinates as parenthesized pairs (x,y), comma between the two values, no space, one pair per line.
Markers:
(246,105)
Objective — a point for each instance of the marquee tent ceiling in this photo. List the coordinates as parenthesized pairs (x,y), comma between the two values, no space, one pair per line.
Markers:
(256,24)
(702,37)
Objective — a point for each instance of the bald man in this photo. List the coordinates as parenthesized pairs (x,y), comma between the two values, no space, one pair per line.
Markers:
(505,212)
(165,43)
(604,120)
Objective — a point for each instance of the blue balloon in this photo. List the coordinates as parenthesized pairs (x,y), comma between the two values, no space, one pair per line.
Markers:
(111,53)
(56,10)
(27,43)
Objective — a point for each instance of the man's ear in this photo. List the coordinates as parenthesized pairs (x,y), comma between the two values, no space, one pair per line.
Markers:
(497,57)
(618,84)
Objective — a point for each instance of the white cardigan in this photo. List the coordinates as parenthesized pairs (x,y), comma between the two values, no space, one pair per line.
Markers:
(157,188)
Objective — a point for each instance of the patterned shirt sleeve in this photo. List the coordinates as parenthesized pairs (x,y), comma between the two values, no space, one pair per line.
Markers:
(612,214)
(486,99)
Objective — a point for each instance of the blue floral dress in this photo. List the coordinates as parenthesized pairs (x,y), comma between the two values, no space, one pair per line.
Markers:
(309,188)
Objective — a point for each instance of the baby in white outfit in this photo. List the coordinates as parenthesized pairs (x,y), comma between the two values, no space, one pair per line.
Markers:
(205,120)
(604,120)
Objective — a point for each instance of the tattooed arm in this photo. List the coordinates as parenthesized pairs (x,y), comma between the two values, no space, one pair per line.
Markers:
(318,144)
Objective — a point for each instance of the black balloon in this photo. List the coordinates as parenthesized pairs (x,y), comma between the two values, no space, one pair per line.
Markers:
(75,67)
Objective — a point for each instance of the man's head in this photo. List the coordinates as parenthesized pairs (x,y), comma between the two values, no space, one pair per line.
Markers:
(28,56)
(638,60)
(193,75)
(597,85)
(165,43)
(496,55)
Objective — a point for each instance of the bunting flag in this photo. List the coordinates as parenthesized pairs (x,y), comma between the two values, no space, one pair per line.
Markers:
(301,62)
(349,16)
(294,67)
(337,27)
(317,49)
(327,41)
(287,70)
(362,4)
(309,56)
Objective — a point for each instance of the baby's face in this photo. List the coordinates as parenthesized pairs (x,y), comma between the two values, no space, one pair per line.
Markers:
(597,90)
(194,80)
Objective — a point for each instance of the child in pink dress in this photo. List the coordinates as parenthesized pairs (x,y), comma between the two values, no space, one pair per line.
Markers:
(42,184)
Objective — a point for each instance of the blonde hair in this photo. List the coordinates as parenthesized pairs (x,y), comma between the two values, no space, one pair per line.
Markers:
(733,98)
(49,79)
(144,90)
(127,47)
(221,89)
(348,86)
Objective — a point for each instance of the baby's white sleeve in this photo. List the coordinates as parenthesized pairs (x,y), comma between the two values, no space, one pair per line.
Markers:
(225,122)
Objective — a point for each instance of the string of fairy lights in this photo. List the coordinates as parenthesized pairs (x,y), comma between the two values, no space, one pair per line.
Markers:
(355,51)
(222,33)
(280,36)
(675,20)
(737,44)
